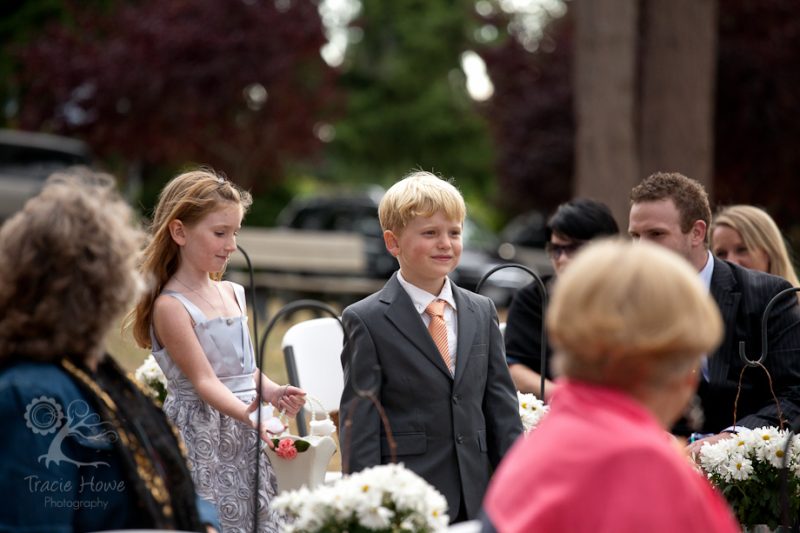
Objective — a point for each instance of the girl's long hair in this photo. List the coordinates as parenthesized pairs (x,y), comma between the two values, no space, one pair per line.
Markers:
(188,197)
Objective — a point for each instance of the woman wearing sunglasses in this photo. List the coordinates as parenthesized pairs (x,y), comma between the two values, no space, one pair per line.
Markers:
(572,225)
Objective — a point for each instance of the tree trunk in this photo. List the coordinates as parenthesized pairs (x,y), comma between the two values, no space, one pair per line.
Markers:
(644,84)
(605,101)
(677,79)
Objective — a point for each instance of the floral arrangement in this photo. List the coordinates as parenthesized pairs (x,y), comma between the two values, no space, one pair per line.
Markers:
(747,470)
(287,448)
(385,498)
(531,410)
(152,379)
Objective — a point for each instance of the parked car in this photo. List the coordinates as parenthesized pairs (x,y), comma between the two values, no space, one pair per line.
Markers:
(358,213)
(350,213)
(27,158)
(523,241)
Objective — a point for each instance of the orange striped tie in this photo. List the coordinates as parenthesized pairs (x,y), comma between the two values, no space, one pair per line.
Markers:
(438,329)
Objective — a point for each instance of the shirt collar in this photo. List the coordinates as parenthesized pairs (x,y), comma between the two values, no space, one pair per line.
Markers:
(422,298)
(707,271)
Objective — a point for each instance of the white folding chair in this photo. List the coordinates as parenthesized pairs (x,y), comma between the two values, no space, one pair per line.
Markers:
(312,350)
(471,526)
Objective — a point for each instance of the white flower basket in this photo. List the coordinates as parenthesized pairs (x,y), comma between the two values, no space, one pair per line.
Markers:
(307,468)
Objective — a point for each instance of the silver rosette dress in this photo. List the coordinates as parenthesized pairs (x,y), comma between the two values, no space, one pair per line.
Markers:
(221,450)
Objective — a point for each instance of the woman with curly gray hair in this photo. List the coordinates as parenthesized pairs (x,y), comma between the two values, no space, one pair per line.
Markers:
(83,449)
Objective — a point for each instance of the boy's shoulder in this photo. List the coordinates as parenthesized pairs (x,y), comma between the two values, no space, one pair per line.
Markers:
(365,303)
(380,297)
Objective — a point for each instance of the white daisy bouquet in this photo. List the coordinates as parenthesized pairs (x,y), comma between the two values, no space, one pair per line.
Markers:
(386,498)
(152,379)
(531,410)
(746,469)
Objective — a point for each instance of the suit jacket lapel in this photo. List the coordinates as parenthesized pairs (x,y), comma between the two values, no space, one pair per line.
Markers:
(467,323)
(403,315)
(725,293)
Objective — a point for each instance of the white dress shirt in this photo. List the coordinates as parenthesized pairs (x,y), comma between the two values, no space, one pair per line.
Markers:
(422,298)
(705,278)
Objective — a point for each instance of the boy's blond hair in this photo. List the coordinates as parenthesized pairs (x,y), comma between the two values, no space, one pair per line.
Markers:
(419,194)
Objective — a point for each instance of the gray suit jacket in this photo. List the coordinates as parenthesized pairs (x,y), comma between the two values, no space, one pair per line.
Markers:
(452,431)
(742,296)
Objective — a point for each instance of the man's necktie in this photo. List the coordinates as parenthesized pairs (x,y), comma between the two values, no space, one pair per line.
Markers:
(438,330)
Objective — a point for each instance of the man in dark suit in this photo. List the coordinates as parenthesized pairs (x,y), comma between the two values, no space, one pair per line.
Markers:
(673,211)
(447,395)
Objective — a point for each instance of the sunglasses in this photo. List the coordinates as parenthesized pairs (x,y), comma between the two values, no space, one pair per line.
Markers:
(554,251)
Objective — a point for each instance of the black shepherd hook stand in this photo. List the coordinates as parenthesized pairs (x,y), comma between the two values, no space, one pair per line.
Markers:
(543,291)
(282,312)
(764,340)
(785,508)
(252,297)
(760,362)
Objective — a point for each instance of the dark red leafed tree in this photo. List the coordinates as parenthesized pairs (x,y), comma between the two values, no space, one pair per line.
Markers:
(532,119)
(235,84)
(757,145)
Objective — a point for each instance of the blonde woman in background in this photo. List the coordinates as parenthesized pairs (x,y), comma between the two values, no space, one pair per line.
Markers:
(748,236)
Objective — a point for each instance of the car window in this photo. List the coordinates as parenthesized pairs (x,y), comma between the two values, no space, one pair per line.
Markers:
(27,158)
(477,236)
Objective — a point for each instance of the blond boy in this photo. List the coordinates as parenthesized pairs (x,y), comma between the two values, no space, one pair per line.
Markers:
(433,353)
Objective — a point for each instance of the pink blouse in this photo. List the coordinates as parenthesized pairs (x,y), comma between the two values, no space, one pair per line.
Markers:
(600,462)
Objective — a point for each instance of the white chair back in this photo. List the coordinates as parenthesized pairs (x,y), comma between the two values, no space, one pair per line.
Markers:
(312,350)
(471,526)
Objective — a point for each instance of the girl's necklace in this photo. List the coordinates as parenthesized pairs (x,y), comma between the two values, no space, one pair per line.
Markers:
(214,307)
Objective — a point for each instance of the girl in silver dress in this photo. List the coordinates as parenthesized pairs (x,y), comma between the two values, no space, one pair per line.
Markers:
(196,326)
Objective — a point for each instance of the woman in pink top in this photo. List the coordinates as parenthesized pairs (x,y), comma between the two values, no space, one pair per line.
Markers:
(630,324)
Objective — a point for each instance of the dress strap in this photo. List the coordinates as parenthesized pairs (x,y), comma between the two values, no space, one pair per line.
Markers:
(238,291)
(197,315)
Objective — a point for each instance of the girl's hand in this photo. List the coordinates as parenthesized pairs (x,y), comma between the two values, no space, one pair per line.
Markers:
(289,399)
(270,425)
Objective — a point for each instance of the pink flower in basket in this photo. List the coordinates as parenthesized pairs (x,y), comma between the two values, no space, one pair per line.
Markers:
(286,449)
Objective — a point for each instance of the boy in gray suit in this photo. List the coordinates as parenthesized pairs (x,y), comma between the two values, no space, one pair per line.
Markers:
(442,378)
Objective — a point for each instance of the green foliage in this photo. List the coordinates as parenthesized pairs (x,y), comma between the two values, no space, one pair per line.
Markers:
(407,106)
(160,392)
(300,444)
(757,499)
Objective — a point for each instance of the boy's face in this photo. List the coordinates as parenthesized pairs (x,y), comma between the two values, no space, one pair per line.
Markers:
(427,249)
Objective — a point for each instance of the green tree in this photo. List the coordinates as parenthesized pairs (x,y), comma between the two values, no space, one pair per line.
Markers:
(407,102)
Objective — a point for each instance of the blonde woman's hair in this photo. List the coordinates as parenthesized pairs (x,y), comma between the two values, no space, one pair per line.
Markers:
(758,232)
(67,268)
(629,315)
(419,194)
(188,197)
